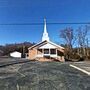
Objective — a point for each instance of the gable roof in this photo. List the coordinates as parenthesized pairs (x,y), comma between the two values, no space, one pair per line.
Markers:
(43,43)
(47,45)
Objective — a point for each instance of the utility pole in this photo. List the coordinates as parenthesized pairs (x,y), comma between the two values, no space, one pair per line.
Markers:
(23,51)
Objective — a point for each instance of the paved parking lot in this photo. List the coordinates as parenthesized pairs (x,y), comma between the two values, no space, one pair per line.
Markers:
(43,76)
(85,65)
(10,61)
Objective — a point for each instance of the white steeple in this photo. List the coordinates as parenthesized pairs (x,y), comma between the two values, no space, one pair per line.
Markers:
(45,33)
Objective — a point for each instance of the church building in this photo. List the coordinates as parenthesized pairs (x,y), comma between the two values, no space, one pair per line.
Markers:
(46,50)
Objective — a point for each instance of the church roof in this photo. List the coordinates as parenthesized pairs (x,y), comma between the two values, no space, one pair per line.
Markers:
(43,43)
(46,43)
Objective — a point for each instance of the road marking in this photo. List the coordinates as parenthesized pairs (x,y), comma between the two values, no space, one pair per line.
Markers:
(84,71)
(21,74)
(17,71)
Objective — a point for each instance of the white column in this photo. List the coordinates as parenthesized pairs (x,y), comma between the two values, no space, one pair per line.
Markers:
(56,52)
(49,51)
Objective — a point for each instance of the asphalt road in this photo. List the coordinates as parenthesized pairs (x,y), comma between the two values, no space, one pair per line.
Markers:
(42,76)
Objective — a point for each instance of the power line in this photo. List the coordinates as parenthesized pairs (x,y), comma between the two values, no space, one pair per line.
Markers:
(43,23)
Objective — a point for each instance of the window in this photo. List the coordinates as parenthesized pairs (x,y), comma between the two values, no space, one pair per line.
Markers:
(46,51)
(53,51)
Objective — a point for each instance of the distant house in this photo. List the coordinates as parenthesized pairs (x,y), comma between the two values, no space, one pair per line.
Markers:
(46,50)
(15,54)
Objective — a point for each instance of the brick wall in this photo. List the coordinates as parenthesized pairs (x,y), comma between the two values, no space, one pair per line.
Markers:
(32,53)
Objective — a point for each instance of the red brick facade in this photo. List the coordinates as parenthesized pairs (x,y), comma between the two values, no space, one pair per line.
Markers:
(34,52)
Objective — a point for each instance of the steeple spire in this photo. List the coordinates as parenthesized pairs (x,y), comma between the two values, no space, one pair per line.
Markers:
(45,33)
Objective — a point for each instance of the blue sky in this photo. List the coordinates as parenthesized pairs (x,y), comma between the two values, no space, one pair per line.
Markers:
(34,11)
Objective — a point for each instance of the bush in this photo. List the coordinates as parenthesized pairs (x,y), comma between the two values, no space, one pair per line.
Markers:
(74,56)
(88,57)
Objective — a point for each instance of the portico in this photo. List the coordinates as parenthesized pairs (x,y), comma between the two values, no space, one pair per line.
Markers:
(47,52)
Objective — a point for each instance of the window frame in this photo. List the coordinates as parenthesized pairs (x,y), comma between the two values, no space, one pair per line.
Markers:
(45,52)
(53,51)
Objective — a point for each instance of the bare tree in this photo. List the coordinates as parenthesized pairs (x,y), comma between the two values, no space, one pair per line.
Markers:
(82,40)
(78,38)
(68,36)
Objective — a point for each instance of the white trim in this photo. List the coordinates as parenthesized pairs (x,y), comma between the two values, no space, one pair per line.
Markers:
(33,45)
(48,45)
(56,45)
(53,55)
(47,42)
